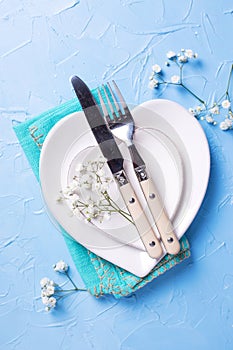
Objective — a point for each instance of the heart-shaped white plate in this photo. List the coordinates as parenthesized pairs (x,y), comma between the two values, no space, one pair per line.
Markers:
(176,153)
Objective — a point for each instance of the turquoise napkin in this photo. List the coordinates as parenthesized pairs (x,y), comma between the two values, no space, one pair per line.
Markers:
(100,276)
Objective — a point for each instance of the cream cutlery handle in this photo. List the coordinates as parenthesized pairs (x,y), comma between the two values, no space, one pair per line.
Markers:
(163,223)
(147,235)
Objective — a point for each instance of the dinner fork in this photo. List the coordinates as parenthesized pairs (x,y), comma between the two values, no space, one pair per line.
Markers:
(122,126)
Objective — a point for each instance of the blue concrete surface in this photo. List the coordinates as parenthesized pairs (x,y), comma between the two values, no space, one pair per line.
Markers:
(42,43)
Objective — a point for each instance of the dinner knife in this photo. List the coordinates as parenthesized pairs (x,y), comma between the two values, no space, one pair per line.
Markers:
(115,162)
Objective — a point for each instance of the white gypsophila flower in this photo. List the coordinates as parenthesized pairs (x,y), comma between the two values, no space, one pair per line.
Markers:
(44,282)
(100,172)
(229,123)
(91,210)
(156,68)
(153,84)
(183,59)
(189,53)
(96,187)
(198,109)
(104,186)
(171,55)
(51,303)
(214,110)
(48,291)
(175,79)
(107,216)
(209,119)
(226,104)
(45,300)
(79,167)
(223,126)
(74,183)
(89,168)
(67,192)
(75,197)
(192,111)
(167,64)
(60,266)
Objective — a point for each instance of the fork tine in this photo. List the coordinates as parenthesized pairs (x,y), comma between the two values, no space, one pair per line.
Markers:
(114,100)
(104,109)
(109,103)
(121,98)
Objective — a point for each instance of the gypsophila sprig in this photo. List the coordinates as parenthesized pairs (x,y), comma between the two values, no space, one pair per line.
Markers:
(51,292)
(88,193)
(60,266)
(202,111)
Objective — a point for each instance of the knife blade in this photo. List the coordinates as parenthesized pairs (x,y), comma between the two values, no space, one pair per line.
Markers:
(115,162)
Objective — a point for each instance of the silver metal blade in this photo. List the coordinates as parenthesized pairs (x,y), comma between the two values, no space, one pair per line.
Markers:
(98,126)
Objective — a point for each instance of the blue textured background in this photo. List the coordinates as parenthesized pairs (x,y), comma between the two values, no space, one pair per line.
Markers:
(42,43)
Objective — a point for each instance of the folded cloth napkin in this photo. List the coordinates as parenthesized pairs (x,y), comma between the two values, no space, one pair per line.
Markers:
(100,276)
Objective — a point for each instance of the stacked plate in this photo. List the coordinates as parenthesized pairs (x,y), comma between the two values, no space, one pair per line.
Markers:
(176,153)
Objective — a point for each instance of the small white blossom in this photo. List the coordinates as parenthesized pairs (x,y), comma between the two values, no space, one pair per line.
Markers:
(167,64)
(214,110)
(223,126)
(67,191)
(228,123)
(60,266)
(153,84)
(44,282)
(198,109)
(51,303)
(192,111)
(100,172)
(45,300)
(156,68)
(73,185)
(104,186)
(209,119)
(175,79)
(189,53)
(79,167)
(96,187)
(171,55)
(107,216)
(226,104)
(75,197)
(183,59)
(48,291)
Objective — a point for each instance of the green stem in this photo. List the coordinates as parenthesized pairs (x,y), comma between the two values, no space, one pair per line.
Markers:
(228,83)
(112,203)
(70,290)
(118,209)
(192,93)
(181,73)
(76,288)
